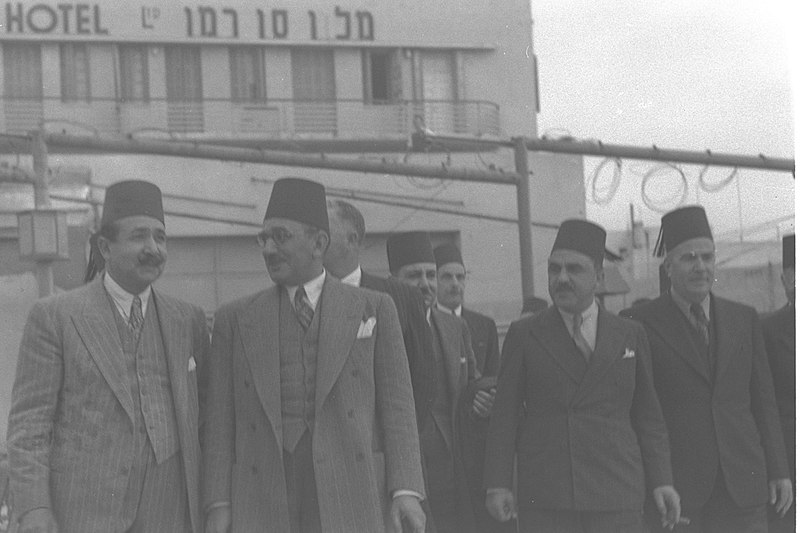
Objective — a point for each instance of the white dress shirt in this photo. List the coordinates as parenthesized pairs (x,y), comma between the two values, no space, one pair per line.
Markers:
(353,278)
(589,325)
(313,290)
(123,299)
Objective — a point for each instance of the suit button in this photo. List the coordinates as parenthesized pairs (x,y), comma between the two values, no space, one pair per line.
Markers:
(360,456)
(351,414)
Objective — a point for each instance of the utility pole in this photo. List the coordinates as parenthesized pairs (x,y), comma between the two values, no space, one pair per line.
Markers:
(524,216)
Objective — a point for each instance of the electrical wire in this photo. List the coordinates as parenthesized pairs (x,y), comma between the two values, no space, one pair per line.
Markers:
(714,187)
(612,187)
(670,202)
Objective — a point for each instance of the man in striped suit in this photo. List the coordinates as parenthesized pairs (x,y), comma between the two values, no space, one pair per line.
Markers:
(103,428)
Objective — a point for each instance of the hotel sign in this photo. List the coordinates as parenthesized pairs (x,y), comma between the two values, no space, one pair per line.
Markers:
(174,22)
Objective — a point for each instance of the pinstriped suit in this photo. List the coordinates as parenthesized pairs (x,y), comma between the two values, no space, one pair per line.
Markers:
(72,411)
(364,437)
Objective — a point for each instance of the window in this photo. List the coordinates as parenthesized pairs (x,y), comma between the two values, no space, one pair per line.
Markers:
(134,73)
(381,72)
(184,75)
(74,73)
(22,70)
(313,74)
(247,74)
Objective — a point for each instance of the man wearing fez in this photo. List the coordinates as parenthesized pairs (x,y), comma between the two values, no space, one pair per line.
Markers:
(712,376)
(342,261)
(311,424)
(451,277)
(779,337)
(103,428)
(411,260)
(576,404)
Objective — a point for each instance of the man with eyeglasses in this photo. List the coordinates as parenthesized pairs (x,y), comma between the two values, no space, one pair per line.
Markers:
(311,425)
(712,376)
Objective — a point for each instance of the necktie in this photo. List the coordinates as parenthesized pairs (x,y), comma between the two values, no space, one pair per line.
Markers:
(136,318)
(577,336)
(302,307)
(700,321)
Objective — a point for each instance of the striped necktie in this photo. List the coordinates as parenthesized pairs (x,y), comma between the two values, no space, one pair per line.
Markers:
(700,321)
(302,307)
(136,318)
(577,336)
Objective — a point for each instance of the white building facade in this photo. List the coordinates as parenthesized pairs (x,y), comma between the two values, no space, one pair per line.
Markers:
(348,79)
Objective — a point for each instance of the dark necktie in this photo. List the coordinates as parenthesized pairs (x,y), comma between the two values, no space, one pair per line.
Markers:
(700,321)
(136,318)
(577,336)
(305,313)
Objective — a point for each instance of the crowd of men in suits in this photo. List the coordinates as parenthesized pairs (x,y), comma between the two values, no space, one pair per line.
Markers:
(339,401)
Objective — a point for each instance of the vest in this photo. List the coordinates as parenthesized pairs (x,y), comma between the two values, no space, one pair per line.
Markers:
(298,359)
(148,380)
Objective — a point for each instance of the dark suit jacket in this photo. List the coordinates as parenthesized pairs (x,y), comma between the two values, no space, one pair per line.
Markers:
(416,335)
(591,436)
(483,331)
(365,443)
(728,420)
(69,441)
(779,338)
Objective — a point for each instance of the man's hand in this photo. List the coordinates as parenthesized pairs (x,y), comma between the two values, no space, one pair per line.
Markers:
(38,521)
(500,504)
(218,519)
(483,402)
(669,505)
(407,508)
(780,495)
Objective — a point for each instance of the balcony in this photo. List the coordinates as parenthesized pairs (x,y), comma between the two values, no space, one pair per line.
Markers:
(223,119)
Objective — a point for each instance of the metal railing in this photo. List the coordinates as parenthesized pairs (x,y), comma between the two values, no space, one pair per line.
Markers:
(270,118)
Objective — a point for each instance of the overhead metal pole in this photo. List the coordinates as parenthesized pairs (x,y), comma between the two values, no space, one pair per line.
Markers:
(249,155)
(524,216)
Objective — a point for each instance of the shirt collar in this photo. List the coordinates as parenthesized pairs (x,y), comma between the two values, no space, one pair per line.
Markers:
(122,298)
(684,304)
(445,309)
(353,278)
(589,315)
(313,290)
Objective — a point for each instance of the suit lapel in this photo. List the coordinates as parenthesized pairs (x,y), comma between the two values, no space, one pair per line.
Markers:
(98,330)
(450,353)
(175,334)
(668,322)
(551,332)
(259,324)
(341,315)
(608,348)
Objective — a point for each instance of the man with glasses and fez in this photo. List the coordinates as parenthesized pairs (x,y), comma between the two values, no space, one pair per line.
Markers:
(103,429)
(713,380)
(311,424)
(779,337)
(576,405)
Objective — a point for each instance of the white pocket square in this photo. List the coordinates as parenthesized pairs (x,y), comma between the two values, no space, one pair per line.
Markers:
(366,327)
(192,364)
(628,353)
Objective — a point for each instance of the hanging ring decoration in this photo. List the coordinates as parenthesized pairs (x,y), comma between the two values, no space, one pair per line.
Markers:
(672,201)
(611,190)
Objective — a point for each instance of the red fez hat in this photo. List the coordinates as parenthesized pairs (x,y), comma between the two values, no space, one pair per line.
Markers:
(583,237)
(681,225)
(299,200)
(408,248)
(788,251)
(447,253)
(132,198)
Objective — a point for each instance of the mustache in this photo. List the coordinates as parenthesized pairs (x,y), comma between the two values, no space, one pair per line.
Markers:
(563,287)
(150,259)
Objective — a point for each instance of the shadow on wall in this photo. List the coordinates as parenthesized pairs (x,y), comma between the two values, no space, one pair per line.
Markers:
(17,294)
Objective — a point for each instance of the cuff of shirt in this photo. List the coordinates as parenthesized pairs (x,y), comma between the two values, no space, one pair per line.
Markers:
(404,492)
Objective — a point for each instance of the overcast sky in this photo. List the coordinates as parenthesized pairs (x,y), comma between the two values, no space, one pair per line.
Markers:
(688,74)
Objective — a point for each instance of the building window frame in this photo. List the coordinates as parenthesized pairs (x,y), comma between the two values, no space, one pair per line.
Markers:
(75,73)
(134,73)
(248,74)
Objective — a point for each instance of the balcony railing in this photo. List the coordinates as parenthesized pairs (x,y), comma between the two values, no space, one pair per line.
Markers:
(272,118)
